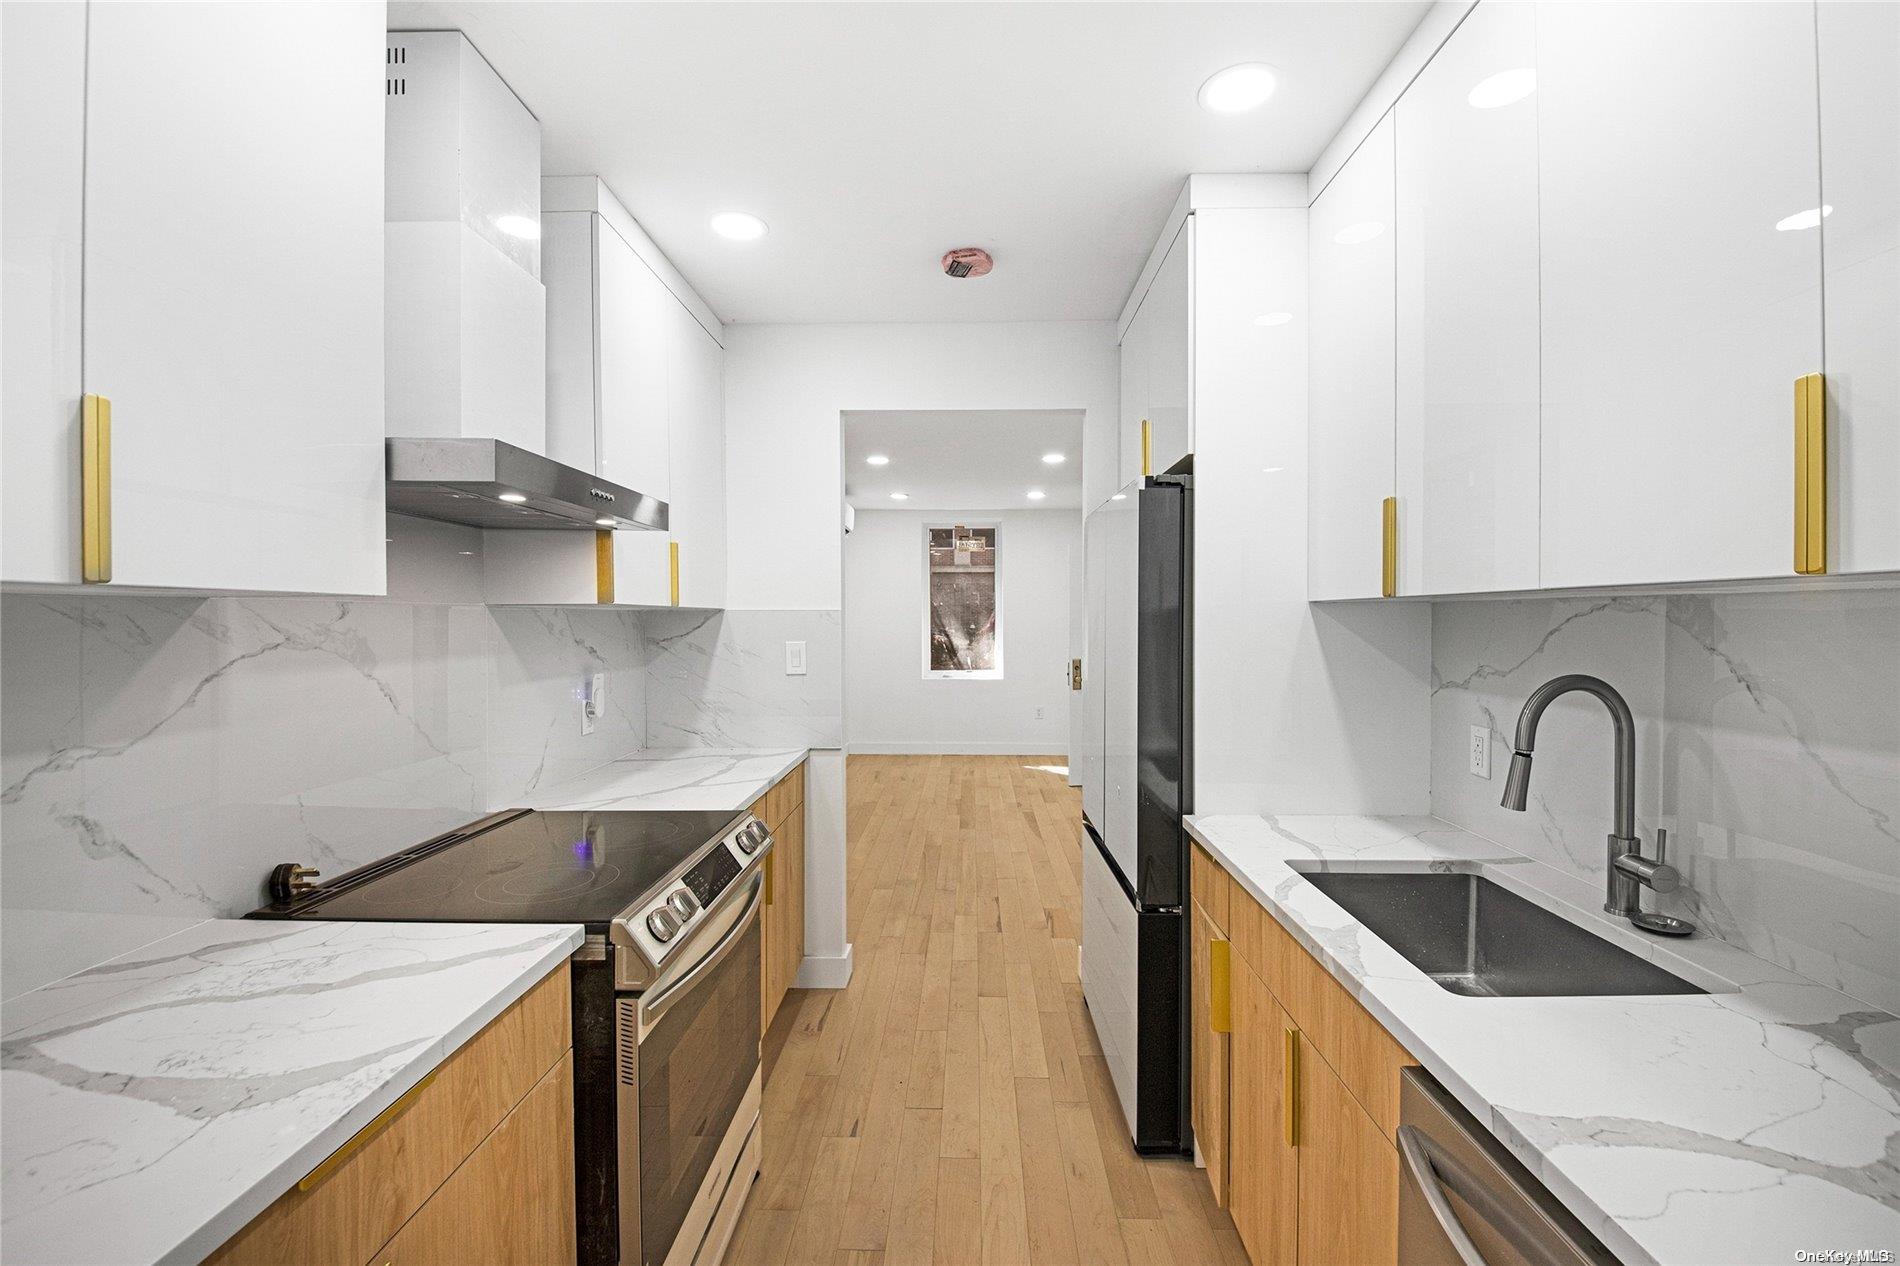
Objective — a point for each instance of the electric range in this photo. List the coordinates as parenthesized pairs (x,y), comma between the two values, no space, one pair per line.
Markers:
(666,996)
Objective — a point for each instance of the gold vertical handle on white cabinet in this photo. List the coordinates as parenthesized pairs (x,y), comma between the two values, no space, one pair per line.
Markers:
(1220,987)
(1147,448)
(1389,547)
(95,490)
(1290,1088)
(1810,475)
(603,567)
(673,570)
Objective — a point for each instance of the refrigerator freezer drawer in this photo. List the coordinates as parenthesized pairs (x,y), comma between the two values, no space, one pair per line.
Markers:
(1110,962)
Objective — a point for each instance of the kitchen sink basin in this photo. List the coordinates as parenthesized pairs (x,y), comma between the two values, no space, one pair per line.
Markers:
(1476,938)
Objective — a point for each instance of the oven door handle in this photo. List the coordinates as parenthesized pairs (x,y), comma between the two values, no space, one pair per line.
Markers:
(655,1004)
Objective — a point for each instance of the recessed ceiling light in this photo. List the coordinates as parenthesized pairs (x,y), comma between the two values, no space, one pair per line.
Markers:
(1238,88)
(466,553)
(900,496)
(1037,494)
(738,226)
(1120,496)
(519,226)
(1273,318)
(512,497)
(1808,219)
(1503,88)
(1054,459)
(877,459)
(1353,234)
(603,522)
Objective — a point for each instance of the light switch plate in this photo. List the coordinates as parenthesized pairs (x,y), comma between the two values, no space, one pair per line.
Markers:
(1481,751)
(593,700)
(794,659)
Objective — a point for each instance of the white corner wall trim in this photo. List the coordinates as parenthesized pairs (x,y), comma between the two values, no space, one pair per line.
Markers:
(827,972)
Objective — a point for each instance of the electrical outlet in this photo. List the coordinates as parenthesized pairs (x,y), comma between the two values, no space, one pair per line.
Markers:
(1481,751)
(593,700)
(1038,714)
(794,659)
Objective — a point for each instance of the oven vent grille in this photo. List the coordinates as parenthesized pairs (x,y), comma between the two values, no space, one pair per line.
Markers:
(627,1049)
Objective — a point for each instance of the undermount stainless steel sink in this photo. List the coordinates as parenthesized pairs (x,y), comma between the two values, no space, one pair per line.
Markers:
(1475,938)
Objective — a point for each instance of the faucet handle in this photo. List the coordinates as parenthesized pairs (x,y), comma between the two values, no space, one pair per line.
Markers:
(1662,846)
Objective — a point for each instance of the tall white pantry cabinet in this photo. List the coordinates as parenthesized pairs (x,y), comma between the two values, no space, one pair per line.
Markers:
(209,266)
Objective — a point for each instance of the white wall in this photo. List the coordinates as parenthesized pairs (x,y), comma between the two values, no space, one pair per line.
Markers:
(785,388)
(891,706)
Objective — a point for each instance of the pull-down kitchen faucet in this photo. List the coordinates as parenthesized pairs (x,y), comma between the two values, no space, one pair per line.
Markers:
(1629,871)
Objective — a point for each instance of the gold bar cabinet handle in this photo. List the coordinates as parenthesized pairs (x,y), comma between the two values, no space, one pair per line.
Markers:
(770,872)
(1147,448)
(335,1160)
(1220,987)
(603,566)
(673,568)
(1290,1090)
(1810,475)
(95,490)
(1389,547)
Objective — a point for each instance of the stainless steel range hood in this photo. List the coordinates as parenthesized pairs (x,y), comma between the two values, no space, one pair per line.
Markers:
(493,484)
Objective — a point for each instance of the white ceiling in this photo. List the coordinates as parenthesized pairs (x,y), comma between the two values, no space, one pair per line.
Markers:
(965,459)
(874,137)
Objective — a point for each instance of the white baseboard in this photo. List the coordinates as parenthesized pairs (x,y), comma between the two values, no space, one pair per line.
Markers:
(831,972)
(1025,748)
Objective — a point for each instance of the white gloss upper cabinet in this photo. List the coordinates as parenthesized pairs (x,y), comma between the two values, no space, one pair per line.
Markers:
(231,301)
(1136,370)
(697,435)
(1351,353)
(1860,179)
(1168,311)
(1467,243)
(1673,140)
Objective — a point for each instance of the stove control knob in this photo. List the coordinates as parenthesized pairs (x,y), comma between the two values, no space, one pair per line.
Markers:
(662,924)
(748,838)
(683,905)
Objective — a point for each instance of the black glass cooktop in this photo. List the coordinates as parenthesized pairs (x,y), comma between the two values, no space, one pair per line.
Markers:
(535,868)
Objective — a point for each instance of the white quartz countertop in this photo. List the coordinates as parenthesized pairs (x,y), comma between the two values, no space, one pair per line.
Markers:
(1744,1125)
(674,778)
(154,1104)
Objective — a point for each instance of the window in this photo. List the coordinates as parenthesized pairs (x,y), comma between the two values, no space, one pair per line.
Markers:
(963,627)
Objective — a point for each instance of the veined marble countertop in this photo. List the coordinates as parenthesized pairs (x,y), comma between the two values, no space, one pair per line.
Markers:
(156,1103)
(1742,1125)
(674,778)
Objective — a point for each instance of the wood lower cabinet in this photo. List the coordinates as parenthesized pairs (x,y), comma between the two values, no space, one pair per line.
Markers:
(1212,1008)
(476,1164)
(1265,1168)
(1306,1100)
(782,917)
(1349,1171)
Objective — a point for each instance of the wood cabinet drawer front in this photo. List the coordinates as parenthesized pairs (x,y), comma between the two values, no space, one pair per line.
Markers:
(777,804)
(1212,887)
(370,1195)
(512,1200)
(1349,1176)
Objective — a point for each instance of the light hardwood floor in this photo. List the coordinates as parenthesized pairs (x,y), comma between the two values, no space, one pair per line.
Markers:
(952,1105)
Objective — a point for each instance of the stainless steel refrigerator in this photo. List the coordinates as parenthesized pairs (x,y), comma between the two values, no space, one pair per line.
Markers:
(1135,768)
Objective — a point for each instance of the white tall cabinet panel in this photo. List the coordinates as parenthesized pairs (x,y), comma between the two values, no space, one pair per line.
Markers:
(234,290)
(1673,138)
(1352,350)
(1168,311)
(697,429)
(42,142)
(636,350)
(1136,371)
(1860,180)
(1467,242)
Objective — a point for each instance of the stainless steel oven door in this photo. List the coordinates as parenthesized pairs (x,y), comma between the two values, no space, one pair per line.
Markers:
(688,1061)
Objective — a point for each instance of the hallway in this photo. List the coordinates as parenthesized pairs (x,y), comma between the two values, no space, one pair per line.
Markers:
(952,1105)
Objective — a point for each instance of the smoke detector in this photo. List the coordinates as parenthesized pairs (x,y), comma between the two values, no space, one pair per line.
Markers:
(967,261)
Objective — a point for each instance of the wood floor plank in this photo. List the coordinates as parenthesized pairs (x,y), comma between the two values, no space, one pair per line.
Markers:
(951,1104)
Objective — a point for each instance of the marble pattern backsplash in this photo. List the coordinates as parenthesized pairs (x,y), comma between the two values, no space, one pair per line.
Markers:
(159,754)
(1768,745)
(718,679)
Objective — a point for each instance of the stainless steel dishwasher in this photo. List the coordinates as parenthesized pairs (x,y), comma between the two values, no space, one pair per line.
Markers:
(1465,1201)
